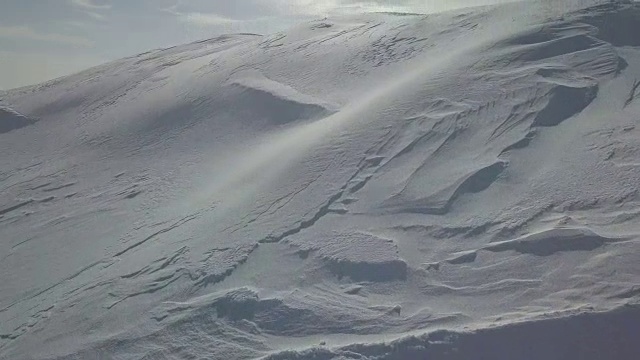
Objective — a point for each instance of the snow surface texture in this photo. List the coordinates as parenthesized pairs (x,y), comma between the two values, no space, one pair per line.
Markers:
(389,186)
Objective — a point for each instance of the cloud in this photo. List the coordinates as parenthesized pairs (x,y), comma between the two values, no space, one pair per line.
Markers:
(269,15)
(318,8)
(204,19)
(26,68)
(92,8)
(95,15)
(91,4)
(420,6)
(321,8)
(200,19)
(25,32)
(74,24)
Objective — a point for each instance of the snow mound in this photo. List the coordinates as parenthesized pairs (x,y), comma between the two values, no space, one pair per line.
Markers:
(260,98)
(440,202)
(361,257)
(12,120)
(553,241)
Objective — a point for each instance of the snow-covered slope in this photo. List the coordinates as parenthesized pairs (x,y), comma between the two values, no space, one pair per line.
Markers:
(389,186)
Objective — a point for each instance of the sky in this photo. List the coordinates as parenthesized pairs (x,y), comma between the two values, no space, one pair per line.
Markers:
(45,39)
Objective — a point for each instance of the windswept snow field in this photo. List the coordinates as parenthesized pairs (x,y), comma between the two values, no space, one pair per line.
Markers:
(462,185)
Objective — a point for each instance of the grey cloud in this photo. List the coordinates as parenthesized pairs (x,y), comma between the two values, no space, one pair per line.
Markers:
(92,4)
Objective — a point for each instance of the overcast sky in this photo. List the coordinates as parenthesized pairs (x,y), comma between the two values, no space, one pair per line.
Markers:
(44,39)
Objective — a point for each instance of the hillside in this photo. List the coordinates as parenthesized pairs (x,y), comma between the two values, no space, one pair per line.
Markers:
(461,185)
